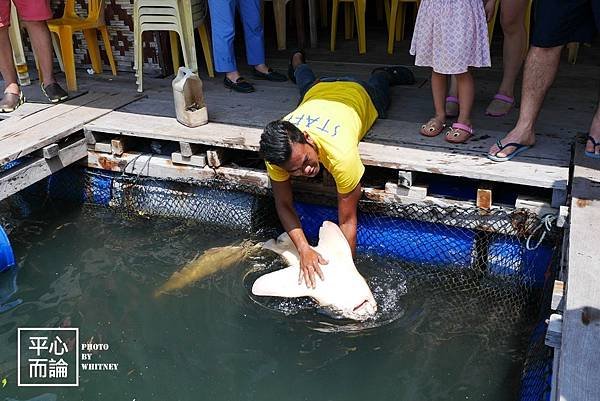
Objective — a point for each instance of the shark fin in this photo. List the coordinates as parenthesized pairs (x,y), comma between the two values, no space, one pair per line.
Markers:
(281,283)
(332,239)
(285,247)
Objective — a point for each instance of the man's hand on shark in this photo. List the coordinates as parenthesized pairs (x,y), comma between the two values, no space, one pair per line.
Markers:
(309,264)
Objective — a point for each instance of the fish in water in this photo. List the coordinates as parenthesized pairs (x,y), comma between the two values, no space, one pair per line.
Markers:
(210,262)
(344,291)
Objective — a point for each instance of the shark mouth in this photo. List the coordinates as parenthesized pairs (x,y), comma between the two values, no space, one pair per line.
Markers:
(360,306)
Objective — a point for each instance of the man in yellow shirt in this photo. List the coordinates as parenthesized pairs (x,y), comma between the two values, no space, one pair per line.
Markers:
(334,114)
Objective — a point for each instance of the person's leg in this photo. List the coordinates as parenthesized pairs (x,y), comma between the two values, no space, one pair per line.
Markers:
(538,75)
(222,21)
(595,127)
(253,34)
(461,130)
(42,48)
(380,82)
(7,66)
(304,75)
(512,19)
(452,98)
(438,88)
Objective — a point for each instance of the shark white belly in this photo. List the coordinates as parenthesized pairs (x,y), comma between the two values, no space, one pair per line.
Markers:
(344,290)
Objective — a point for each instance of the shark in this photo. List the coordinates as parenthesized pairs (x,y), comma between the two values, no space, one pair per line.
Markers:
(343,291)
(210,262)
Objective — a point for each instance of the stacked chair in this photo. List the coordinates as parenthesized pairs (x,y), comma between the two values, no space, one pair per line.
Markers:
(70,23)
(179,17)
(396,16)
(359,13)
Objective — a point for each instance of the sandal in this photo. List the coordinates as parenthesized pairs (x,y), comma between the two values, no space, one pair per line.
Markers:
(11,101)
(596,144)
(500,100)
(519,147)
(459,133)
(452,106)
(240,85)
(399,75)
(432,128)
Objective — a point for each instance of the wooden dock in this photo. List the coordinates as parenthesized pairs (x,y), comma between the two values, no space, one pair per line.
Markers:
(579,362)
(40,140)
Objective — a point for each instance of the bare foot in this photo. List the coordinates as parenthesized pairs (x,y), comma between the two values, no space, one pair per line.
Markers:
(523,137)
(594,133)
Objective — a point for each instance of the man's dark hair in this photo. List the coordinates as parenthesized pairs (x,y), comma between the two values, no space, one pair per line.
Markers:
(276,141)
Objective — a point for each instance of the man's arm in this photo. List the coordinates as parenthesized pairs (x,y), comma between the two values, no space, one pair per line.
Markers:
(309,258)
(347,206)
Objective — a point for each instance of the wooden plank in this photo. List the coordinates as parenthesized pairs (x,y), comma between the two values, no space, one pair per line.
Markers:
(558,291)
(188,149)
(554,331)
(119,145)
(23,111)
(409,157)
(103,147)
(193,160)
(24,175)
(50,151)
(540,206)
(216,157)
(46,132)
(579,362)
(415,192)
(484,198)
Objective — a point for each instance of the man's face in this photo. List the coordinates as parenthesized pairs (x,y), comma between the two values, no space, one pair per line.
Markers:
(304,160)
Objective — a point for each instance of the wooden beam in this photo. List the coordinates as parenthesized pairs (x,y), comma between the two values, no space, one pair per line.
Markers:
(216,157)
(484,198)
(118,146)
(554,331)
(188,149)
(193,160)
(579,377)
(50,151)
(32,171)
(540,206)
(558,292)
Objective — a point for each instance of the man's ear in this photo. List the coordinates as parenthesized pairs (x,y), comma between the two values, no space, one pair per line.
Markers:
(308,138)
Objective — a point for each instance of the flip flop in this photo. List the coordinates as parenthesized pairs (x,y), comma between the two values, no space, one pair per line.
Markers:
(501,98)
(593,154)
(11,101)
(452,100)
(519,148)
(455,132)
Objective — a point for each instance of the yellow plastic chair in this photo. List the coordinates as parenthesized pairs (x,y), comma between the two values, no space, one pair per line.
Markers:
(492,23)
(395,14)
(279,11)
(360,7)
(69,23)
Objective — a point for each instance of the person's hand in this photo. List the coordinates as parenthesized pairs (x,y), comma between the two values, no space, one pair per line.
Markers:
(309,265)
(489,6)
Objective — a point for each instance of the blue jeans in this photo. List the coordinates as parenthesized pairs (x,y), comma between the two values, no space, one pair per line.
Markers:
(378,86)
(222,18)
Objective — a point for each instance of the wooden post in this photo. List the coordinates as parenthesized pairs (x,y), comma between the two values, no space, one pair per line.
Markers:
(216,157)
(484,198)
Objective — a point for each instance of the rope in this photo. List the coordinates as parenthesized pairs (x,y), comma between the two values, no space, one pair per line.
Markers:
(546,223)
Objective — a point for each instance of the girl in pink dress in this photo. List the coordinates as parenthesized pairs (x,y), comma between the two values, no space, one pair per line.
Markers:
(451,36)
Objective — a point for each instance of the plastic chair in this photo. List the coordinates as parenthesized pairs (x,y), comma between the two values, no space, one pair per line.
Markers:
(396,17)
(69,23)
(167,15)
(279,10)
(359,13)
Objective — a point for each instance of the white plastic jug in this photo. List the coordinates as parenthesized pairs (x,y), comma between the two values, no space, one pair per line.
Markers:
(189,98)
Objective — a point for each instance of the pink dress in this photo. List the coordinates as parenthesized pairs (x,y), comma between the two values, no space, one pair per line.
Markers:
(451,36)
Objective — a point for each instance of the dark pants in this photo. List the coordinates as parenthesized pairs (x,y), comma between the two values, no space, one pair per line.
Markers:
(378,86)
(558,22)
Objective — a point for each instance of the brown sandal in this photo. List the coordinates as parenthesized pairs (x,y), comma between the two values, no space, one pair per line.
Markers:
(459,133)
(432,128)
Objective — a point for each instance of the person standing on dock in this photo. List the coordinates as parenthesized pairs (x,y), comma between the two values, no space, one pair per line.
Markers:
(557,22)
(222,18)
(34,14)
(334,114)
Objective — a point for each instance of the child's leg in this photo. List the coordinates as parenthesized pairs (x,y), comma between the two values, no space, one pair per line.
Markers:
(438,88)
(461,130)
(452,98)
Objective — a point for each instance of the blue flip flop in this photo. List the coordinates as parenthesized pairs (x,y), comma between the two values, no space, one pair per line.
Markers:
(593,154)
(519,148)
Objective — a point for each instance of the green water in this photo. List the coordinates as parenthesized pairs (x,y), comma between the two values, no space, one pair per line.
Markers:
(92,269)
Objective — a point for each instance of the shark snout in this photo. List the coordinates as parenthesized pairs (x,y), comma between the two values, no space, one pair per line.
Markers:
(365,309)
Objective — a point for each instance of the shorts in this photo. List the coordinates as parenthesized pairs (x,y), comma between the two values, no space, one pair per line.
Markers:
(558,22)
(28,10)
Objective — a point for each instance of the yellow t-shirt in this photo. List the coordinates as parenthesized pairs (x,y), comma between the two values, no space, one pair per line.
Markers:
(336,115)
